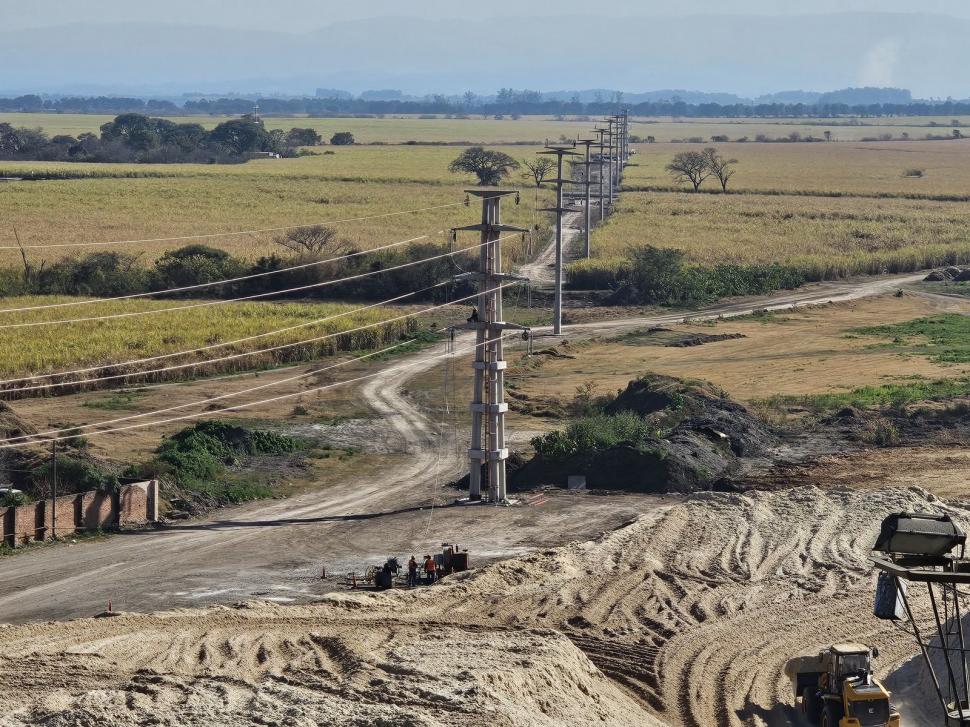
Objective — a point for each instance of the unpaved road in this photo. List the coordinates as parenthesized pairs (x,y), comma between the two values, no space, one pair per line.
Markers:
(542,271)
(276,549)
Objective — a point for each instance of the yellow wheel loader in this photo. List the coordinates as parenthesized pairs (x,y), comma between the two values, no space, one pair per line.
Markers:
(837,689)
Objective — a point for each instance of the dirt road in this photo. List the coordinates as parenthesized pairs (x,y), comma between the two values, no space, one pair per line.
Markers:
(542,271)
(276,549)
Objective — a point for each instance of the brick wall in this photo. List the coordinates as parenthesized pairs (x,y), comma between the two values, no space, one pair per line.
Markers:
(134,504)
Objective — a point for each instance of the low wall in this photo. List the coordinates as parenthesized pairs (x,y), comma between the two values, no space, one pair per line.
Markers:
(134,504)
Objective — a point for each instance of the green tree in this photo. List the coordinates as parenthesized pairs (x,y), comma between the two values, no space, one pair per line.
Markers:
(490,166)
(240,136)
(342,138)
(303,137)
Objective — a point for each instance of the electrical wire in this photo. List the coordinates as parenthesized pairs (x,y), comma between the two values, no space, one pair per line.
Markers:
(226,301)
(242,391)
(207,347)
(4,444)
(238,233)
(216,283)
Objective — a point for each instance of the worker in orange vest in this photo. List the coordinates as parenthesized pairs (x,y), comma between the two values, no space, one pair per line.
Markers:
(430,570)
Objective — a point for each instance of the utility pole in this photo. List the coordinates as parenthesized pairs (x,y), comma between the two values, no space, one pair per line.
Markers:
(559,150)
(588,182)
(54,489)
(488,408)
(602,146)
(611,133)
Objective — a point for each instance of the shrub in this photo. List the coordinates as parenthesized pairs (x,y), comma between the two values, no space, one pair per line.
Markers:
(97,274)
(342,138)
(882,433)
(661,276)
(195,264)
(594,434)
(200,453)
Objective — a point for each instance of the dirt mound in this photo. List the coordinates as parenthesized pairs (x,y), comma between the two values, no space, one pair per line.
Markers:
(704,439)
(706,598)
(266,664)
(12,425)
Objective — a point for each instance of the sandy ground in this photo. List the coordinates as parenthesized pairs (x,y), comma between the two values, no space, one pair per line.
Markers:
(807,351)
(691,611)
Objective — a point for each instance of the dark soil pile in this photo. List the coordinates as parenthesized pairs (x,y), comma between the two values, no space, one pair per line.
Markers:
(702,438)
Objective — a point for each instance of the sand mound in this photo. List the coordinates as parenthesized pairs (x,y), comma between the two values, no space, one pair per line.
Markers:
(267,664)
(690,611)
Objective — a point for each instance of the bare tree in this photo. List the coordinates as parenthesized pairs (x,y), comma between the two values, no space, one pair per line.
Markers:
(690,166)
(537,170)
(720,167)
(311,240)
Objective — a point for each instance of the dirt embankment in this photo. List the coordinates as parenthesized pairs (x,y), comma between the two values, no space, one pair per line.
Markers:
(687,614)
(701,439)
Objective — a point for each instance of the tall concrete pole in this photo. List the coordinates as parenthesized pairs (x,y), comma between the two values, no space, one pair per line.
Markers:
(488,449)
(602,146)
(588,183)
(559,151)
(611,133)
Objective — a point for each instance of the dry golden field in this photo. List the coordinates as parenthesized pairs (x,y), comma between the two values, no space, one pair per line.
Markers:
(55,348)
(184,199)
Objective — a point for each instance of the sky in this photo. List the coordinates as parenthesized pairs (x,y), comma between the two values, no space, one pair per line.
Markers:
(294,14)
(745,47)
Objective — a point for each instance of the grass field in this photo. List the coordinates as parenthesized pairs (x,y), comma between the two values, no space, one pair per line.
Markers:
(829,238)
(869,168)
(46,349)
(830,209)
(204,199)
(402,129)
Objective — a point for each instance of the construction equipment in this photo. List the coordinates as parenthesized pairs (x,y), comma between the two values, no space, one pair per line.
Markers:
(837,689)
(929,549)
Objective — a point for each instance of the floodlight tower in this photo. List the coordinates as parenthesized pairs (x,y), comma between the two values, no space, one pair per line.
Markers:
(488,451)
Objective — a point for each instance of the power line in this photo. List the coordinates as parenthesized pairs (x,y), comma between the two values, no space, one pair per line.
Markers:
(209,347)
(226,301)
(215,283)
(235,356)
(4,444)
(229,234)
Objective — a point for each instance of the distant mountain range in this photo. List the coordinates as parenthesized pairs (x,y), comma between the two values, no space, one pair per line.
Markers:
(748,55)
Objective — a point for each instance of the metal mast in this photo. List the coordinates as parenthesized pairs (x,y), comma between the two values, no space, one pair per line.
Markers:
(488,451)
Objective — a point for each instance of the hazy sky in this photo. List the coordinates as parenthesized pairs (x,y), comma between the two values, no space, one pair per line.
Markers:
(295,14)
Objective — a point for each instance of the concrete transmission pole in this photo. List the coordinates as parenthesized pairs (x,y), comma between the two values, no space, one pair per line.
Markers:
(559,150)
(587,182)
(601,133)
(488,451)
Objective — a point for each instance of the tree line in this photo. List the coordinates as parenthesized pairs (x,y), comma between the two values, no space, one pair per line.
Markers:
(298,264)
(506,103)
(136,138)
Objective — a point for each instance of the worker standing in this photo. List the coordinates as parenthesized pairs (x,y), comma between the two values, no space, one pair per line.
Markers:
(430,570)
(412,572)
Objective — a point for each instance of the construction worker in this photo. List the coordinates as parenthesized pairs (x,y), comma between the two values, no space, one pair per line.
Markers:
(412,572)
(430,570)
